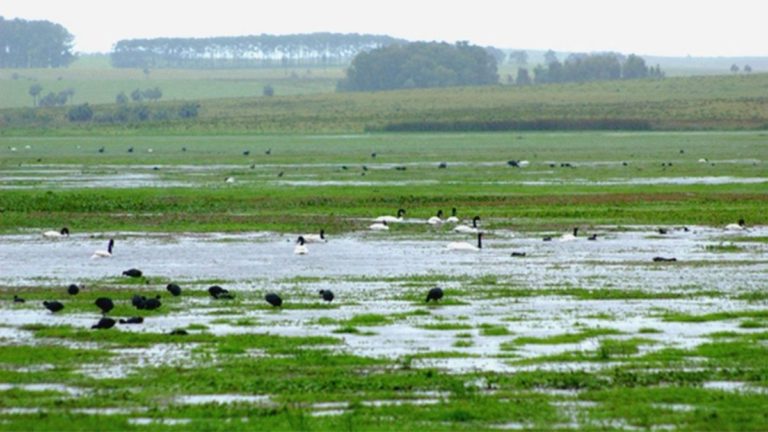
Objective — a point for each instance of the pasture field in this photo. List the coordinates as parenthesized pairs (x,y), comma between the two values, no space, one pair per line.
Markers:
(562,334)
(308,106)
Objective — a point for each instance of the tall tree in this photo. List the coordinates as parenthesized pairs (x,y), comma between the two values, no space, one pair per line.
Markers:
(34,91)
(34,44)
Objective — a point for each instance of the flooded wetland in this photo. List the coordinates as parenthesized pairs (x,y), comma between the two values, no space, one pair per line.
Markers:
(652,316)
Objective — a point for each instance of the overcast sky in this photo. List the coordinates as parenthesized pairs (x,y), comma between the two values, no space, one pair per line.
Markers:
(650,27)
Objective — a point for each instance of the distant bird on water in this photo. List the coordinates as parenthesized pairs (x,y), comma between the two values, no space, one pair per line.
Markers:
(105,304)
(53,306)
(64,232)
(104,323)
(132,320)
(273,299)
(327,295)
(300,248)
(134,273)
(17,299)
(105,253)
(174,289)
(73,289)
(218,292)
(434,294)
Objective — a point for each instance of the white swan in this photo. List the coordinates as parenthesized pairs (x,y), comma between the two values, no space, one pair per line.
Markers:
(740,226)
(104,253)
(468,229)
(436,220)
(56,234)
(453,218)
(379,226)
(300,249)
(569,236)
(464,246)
(389,219)
(315,238)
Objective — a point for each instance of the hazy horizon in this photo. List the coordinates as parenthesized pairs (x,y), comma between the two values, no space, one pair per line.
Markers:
(653,28)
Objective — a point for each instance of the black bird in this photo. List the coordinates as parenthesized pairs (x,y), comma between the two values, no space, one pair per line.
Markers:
(280,174)
(101,150)
(273,299)
(513,163)
(373,155)
(17,299)
(365,168)
(442,165)
(662,231)
(662,259)
(268,152)
(592,237)
(547,238)
(435,294)
(130,150)
(134,273)
(183,149)
(327,295)
(152,303)
(178,332)
(624,163)
(105,304)
(53,306)
(518,254)
(246,153)
(132,320)
(174,289)
(218,292)
(104,323)
(138,301)
(73,289)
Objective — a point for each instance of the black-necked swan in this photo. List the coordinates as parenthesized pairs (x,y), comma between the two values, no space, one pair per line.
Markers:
(315,238)
(570,236)
(453,218)
(468,229)
(104,323)
(435,294)
(464,246)
(105,304)
(53,306)
(105,253)
(273,299)
(387,218)
(64,232)
(379,226)
(740,226)
(327,295)
(437,219)
(300,249)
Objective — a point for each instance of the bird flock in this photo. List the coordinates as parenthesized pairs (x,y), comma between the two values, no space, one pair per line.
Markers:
(381,223)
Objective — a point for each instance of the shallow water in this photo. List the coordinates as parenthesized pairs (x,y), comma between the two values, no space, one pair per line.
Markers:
(351,265)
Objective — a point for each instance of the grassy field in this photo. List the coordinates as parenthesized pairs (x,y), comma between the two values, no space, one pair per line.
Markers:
(586,335)
(331,180)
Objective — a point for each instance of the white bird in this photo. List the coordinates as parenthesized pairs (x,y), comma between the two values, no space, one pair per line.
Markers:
(300,249)
(569,236)
(736,226)
(390,219)
(436,220)
(56,234)
(468,229)
(229,180)
(315,238)
(104,253)
(379,226)
(464,246)
(453,218)
(523,163)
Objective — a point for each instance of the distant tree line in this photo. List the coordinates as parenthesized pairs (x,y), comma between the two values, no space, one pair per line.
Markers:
(520,125)
(588,67)
(34,44)
(51,99)
(245,51)
(420,65)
